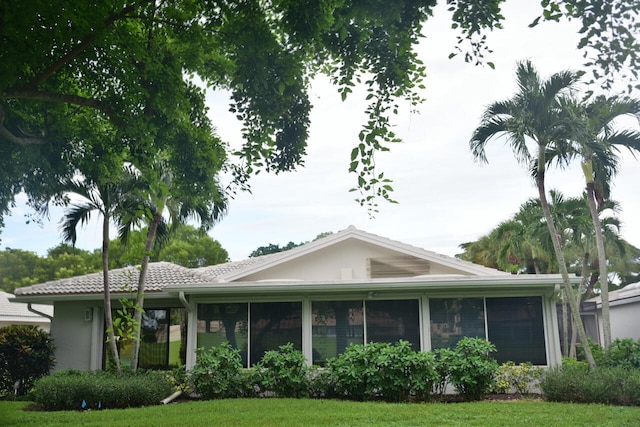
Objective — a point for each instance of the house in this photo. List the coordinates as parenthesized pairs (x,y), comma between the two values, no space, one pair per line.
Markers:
(624,311)
(24,314)
(348,287)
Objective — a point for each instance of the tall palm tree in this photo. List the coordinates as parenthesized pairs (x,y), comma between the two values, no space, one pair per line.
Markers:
(596,141)
(102,197)
(532,115)
(157,196)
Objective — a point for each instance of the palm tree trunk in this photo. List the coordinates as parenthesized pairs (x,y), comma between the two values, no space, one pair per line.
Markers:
(602,264)
(108,317)
(151,237)
(556,240)
(565,325)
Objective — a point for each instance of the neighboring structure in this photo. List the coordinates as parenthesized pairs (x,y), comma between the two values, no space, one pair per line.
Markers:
(624,312)
(348,287)
(24,314)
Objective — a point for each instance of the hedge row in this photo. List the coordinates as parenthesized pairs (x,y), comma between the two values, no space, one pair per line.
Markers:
(70,389)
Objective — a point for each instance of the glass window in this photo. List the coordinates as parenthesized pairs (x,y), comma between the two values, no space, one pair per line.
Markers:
(455,318)
(335,325)
(273,324)
(393,320)
(516,328)
(220,323)
(163,339)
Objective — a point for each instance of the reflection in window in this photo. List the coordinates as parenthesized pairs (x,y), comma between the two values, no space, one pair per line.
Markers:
(220,323)
(455,318)
(335,325)
(516,329)
(163,339)
(274,324)
(393,320)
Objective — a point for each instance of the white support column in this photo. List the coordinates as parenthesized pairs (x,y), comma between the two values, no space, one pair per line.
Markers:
(307,330)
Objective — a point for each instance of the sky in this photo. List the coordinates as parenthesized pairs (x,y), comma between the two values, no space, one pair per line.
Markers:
(444,197)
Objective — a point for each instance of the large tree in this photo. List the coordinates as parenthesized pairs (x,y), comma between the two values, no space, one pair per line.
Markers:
(68,68)
(158,195)
(533,116)
(100,195)
(596,140)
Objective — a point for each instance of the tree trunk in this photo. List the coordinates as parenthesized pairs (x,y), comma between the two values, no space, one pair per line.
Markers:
(602,265)
(565,325)
(108,316)
(556,240)
(148,246)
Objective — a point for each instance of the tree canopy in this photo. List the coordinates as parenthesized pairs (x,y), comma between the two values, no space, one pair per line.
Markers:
(83,84)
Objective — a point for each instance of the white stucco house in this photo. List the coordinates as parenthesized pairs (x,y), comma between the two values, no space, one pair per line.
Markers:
(24,314)
(624,312)
(348,287)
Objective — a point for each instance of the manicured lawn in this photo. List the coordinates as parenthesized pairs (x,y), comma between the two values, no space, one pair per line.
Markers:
(291,412)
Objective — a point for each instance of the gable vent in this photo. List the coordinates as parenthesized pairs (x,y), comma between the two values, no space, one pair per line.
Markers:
(397,266)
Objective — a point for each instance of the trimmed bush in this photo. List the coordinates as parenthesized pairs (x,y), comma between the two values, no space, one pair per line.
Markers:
(26,354)
(606,385)
(77,390)
(382,371)
(217,373)
(284,372)
(471,368)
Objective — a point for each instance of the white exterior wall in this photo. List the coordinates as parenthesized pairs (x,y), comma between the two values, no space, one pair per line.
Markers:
(77,336)
(330,264)
(625,320)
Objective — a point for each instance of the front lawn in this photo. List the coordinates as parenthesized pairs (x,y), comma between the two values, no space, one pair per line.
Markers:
(306,412)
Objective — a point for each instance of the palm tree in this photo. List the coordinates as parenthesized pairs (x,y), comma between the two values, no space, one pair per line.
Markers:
(596,142)
(103,197)
(159,194)
(533,115)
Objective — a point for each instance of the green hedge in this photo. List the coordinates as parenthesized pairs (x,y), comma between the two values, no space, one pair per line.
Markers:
(76,390)
(578,384)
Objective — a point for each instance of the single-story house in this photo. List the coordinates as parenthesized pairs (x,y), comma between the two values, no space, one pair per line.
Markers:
(348,287)
(624,312)
(24,314)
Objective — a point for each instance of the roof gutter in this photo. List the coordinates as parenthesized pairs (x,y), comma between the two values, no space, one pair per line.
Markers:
(184,301)
(39,313)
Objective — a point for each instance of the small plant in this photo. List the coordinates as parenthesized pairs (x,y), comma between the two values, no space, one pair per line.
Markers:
(471,369)
(624,353)
(26,354)
(217,372)
(519,378)
(443,358)
(284,372)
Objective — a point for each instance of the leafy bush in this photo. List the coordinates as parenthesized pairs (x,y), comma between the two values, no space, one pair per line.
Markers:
(624,353)
(521,378)
(74,390)
(217,372)
(471,369)
(284,372)
(606,385)
(26,354)
(443,357)
(382,371)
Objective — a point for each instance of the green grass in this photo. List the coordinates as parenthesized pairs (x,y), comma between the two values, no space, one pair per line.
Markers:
(291,412)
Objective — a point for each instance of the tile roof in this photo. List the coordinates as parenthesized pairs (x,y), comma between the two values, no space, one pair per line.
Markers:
(16,311)
(123,280)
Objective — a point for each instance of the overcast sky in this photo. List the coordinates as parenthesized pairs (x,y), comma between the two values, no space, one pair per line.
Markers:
(445,198)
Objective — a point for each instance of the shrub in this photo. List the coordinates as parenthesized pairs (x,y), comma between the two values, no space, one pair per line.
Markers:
(26,354)
(606,385)
(471,369)
(284,372)
(217,372)
(383,371)
(74,390)
(443,358)
(624,353)
(520,378)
